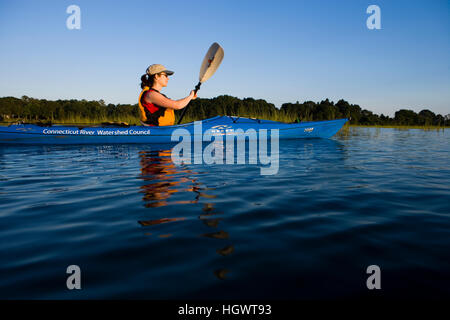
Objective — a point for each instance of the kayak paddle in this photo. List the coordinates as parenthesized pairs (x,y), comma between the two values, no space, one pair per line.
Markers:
(210,64)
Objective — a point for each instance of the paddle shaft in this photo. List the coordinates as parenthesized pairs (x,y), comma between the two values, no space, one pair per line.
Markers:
(197,87)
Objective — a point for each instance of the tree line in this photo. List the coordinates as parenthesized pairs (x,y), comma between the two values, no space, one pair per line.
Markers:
(28,109)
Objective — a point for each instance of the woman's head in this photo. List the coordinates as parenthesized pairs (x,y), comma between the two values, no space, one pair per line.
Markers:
(156,74)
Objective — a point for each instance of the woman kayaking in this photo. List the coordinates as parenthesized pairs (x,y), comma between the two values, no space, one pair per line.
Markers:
(155,108)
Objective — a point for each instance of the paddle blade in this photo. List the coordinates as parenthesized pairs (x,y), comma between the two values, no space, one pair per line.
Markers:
(211,62)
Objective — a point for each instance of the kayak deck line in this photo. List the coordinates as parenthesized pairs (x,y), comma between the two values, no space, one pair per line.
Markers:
(218,126)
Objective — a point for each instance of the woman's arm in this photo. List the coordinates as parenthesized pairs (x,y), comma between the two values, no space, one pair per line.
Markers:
(160,100)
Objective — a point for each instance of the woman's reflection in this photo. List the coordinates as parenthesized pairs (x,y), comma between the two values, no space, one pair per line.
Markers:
(163,180)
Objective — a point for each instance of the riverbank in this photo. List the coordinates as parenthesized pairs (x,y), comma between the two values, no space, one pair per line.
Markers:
(399,127)
(76,121)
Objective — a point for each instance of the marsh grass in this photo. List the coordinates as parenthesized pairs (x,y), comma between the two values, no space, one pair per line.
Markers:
(405,127)
(78,121)
(279,116)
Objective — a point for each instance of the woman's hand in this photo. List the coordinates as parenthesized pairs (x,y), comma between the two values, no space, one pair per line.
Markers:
(193,95)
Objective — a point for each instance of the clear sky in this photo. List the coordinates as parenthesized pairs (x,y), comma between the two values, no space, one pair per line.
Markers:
(280,51)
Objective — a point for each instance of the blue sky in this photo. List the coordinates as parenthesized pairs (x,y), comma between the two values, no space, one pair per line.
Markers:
(280,51)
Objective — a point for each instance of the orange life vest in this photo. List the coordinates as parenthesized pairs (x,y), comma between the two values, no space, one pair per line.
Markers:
(154,115)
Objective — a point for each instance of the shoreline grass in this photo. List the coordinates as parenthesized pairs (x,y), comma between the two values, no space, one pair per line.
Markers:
(76,121)
(393,126)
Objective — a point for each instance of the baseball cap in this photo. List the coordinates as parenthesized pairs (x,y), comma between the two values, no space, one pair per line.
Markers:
(158,68)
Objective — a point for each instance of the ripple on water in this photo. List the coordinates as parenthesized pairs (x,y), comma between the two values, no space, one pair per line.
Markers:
(140,226)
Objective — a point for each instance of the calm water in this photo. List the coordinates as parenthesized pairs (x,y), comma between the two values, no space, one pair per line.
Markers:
(141,227)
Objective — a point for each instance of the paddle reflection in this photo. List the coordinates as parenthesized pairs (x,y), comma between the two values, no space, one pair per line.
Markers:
(208,217)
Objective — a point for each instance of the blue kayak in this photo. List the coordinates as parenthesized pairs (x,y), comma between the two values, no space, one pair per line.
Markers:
(216,126)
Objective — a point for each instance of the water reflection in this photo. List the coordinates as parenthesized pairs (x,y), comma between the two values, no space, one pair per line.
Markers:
(147,223)
(209,219)
(165,181)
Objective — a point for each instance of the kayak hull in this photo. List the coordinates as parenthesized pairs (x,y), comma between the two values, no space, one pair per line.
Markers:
(241,128)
